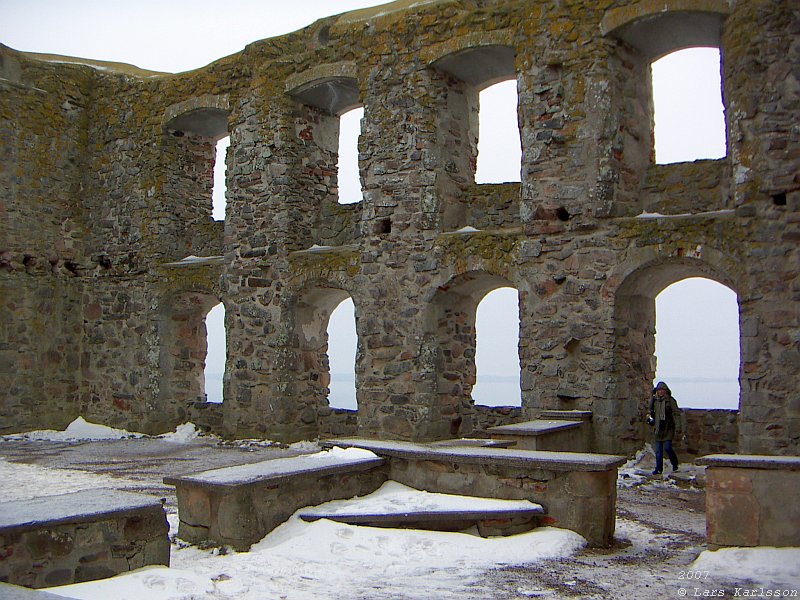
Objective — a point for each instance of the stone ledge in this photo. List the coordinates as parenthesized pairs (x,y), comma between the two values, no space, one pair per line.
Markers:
(273,471)
(432,516)
(76,507)
(240,505)
(751,461)
(490,523)
(473,443)
(82,536)
(541,459)
(16,592)
(567,415)
(616,18)
(536,427)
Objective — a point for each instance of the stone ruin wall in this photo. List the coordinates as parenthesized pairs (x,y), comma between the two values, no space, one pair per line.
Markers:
(106,176)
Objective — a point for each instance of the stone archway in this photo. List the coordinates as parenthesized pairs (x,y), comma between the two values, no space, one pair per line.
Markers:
(311,314)
(450,343)
(183,357)
(621,414)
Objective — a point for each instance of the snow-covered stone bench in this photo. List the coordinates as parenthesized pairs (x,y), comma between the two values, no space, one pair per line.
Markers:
(239,505)
(473,443)
(81,536)
(751,500)
(489,521)
(16,592)
(578,491)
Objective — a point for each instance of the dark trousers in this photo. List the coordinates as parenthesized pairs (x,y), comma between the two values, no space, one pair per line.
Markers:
(660,448)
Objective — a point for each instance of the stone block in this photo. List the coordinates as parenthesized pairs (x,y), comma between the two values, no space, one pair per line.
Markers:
(597,484)
(81,536)
(729,480)
(732,519)
(747,500)
(246,502)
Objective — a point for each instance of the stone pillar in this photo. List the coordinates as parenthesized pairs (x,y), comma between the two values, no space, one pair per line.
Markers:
(419,152)
(761,79)
(585,152)
(271,165)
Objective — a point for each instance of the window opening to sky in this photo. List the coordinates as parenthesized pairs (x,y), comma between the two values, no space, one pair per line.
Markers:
(497,350)
(342,344)
(697,343)
(687,99)
(215,355)
(499,146)
(348,176)
(220,186)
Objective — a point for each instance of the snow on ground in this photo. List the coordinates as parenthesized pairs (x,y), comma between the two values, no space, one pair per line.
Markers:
(638,471)
(41,481)
(328,560)
(79,429)
(396,498)
(324,559)
(299,560)
(766,567)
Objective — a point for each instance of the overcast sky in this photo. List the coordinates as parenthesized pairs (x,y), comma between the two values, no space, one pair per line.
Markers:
(697,321)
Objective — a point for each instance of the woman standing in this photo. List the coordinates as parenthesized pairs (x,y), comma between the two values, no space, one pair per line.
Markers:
(664,412)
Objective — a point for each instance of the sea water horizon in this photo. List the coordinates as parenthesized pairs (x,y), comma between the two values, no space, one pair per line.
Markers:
(504,390)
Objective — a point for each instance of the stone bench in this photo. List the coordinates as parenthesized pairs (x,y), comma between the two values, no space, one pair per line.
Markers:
(751,500)
(82,536)
(555,435)
(490,522)
(239,505)
(15,592)
(578,491)
(473,443)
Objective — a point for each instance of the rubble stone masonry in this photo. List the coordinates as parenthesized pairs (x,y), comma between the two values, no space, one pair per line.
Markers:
(106,177)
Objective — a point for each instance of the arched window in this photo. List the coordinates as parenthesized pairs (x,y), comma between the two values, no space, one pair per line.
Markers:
(499,146)
(697,343)
(220,187)
(216,352)
(342,344)
(497,350)
(348,176)
(687,98)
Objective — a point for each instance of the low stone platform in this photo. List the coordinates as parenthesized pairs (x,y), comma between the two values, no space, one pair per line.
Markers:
(751,500)
(556,435)
(82,536)
(489,522)
(577,490)
(473,443)
(567,415)
(239,505)
(15,592)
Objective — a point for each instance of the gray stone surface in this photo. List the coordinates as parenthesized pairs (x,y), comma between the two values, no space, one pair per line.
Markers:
(473,443)
(556,461)
(536,427)
(751,461)
(75,507)
(567,415)
(15,592)
(420,515)
(275,471)
(82,536)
